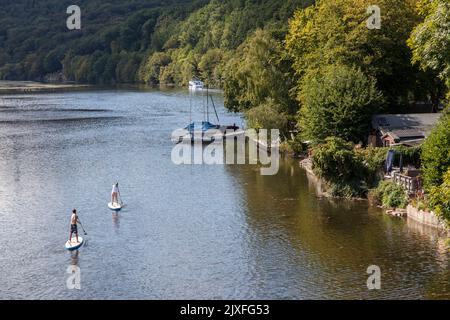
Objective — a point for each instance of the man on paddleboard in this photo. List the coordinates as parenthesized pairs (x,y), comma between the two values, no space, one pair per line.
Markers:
(114,194)
(74,220)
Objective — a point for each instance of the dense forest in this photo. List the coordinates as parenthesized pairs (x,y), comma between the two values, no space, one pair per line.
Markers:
(153,41)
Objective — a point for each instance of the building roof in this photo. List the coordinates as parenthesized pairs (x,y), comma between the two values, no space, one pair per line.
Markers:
(401,127)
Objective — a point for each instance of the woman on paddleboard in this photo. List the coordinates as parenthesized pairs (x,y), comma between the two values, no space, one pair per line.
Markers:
(114,194)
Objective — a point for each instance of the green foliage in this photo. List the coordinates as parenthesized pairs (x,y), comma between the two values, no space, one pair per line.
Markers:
(411,155)
(119,39)
(202,45)
(335,32)
(351,171)
(439,198)
(268,116)
(337,163)
(395,196)
(430,40)
(389,195)
(339,101)
(154,67)
(211,67)
(114,39)
(297,145)
(375,196)
(436,154)
(374,161)
(258,72)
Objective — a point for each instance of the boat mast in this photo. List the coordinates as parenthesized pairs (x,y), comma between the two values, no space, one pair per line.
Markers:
(207,102)
(190,107)
(215,111)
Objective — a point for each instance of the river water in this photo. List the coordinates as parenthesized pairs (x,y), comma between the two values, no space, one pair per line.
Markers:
(194,232)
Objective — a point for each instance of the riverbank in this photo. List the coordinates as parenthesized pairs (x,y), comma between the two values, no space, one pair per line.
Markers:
(321,185)
(425,218)
(19,87)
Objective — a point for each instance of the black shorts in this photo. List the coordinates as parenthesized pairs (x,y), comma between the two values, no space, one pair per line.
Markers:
(73,228)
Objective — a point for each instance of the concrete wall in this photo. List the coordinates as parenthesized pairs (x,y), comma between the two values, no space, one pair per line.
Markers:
(314,182)
(424,217)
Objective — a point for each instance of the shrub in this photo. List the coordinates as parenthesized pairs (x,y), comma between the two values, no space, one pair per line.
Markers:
(341,167)
(395,197)
(411,155)
(297,146)
(376,195)
(439,198)
(337,101)
(374,160)
(436,154)
(389,195)
(268,116)
(347,190)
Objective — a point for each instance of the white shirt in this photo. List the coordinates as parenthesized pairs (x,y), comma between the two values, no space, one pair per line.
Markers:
(115,189)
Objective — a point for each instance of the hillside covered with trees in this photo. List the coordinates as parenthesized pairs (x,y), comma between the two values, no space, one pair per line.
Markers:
(130,41)
(313,68)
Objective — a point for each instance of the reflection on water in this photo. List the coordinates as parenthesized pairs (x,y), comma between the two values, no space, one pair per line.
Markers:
(74,257)
(335,241)
(116,220)
(187,231)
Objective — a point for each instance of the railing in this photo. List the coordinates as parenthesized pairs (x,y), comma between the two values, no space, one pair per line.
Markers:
(412,185)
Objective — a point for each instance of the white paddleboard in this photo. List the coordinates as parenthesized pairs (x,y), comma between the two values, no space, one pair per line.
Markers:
(115,207)
(73,244)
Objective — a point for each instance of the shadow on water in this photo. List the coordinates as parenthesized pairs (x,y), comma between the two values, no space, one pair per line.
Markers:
(330,243)
(116,221)
(74,257)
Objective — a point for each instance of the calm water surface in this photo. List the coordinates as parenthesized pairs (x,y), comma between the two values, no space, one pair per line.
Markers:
(213,232)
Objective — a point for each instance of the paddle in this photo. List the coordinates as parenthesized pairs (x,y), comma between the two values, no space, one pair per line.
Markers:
(120,197)
(85,233)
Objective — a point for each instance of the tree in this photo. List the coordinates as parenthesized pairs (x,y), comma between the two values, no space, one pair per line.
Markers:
(259,71)
(338,101)
(151,70)
(430,40)
(186,31)
(52,62)
(440,198)
(436,154)
(209,66)
(335,32)
(341,167)
(268,116)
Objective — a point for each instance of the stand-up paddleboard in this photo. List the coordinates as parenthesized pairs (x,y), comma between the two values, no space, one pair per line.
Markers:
(115,206)
(73,244)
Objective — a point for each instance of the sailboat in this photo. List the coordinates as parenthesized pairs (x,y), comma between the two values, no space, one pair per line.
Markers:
(196,85)
(205,131)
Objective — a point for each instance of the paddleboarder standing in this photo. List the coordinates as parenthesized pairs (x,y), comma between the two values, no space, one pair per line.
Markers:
(115,194)
(74,220)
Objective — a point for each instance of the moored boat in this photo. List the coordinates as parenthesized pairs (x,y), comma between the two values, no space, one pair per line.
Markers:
(196,85)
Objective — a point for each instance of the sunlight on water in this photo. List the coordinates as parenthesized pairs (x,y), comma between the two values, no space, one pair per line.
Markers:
(195,232)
